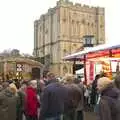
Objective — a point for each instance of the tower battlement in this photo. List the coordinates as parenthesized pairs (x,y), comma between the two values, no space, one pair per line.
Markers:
(83,7)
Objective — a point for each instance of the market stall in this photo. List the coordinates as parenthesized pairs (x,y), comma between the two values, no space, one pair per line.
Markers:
(102,54)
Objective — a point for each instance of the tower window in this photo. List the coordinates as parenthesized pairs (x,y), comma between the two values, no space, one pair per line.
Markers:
(83,21)
(64,19)
(101,26)
(72,21)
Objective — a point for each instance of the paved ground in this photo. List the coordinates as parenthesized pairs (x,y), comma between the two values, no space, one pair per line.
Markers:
(87,115)
(90,116)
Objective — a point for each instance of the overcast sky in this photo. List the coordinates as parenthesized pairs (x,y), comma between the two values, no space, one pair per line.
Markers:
(17,21)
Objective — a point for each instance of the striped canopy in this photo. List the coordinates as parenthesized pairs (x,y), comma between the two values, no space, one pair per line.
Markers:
(94,52)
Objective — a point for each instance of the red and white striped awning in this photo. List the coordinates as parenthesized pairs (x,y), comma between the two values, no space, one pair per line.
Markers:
(98,51)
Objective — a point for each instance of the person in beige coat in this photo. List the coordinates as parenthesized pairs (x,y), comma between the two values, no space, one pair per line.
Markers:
(7,103)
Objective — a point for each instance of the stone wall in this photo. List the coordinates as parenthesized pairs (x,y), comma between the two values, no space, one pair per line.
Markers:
(59,32)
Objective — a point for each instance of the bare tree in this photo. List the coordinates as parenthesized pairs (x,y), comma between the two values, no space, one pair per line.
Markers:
(9,53)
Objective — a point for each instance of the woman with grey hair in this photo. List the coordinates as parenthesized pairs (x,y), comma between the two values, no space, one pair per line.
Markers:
(109,104)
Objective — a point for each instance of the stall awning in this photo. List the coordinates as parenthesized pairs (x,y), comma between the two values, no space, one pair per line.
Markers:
(98,51)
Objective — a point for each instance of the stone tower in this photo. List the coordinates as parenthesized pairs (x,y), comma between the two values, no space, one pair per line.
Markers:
(59,32)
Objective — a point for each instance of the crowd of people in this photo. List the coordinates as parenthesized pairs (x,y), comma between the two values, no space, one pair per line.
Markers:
(53,99)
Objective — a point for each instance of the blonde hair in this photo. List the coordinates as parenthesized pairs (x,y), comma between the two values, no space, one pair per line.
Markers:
(69,78)
(13,88)
(103,83)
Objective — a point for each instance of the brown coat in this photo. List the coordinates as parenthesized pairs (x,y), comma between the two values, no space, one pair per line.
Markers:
(104,110)
(81,102)
(7,105)
(74,95)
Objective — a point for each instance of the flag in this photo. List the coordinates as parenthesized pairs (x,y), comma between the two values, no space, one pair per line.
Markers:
(106,68)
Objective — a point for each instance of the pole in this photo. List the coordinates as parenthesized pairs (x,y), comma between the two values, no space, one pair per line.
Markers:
(74,66)
(110,53)
(85,77)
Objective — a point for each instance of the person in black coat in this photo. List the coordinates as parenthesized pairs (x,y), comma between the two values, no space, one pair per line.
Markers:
(94,93)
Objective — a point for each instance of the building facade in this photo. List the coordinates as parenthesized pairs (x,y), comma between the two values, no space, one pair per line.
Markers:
(18,68)
(60,32)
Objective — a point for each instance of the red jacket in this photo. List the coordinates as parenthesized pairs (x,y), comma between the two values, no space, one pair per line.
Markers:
(31,102)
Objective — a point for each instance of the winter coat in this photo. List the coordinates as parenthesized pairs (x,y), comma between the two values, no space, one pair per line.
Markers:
(94,93)
(20,105)
(109,105)
(81,102)
(74,97)
(31,102)
(52,100)
(73,102)
(7,105)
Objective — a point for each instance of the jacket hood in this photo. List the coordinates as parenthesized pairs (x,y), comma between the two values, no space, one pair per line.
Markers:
(111,92)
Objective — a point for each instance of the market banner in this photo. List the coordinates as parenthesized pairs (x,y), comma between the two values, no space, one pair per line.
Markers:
(104,53)
(91,71)
(98,54)
(116,53)
(88,72)
(106,68)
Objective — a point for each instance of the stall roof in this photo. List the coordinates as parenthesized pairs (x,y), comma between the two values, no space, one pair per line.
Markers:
(22,60)
(80,55)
